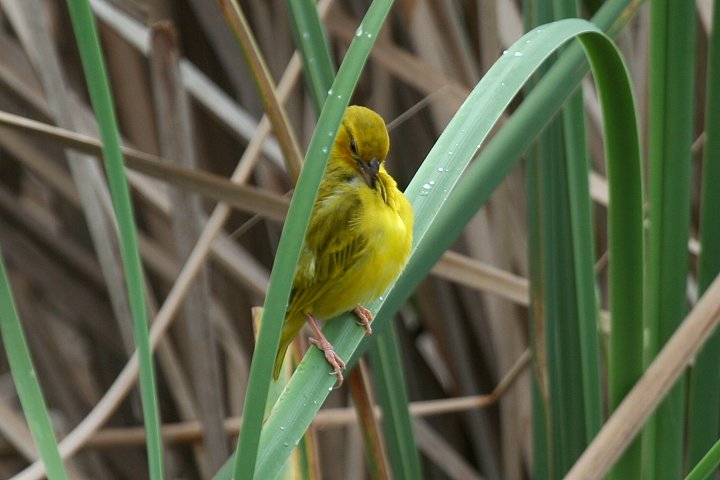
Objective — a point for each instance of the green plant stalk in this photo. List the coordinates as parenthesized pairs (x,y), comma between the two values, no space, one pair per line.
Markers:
(704,399)
(565,374)
(312,44)
(672,68)
(541,414)
(246,455)
(577,166)
(583,249)
(565,268)
(101,99)
(310,385)
(396,422)
(545,444)
(626,359)
(625,362)
(26,383)
(626,242)
(707,464)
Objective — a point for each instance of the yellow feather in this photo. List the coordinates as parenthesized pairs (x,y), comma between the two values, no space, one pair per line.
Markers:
(360,232)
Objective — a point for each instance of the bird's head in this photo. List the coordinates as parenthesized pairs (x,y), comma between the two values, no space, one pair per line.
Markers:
(362,142)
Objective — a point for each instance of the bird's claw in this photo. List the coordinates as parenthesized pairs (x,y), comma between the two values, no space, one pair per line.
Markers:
(365,317)
(332,358)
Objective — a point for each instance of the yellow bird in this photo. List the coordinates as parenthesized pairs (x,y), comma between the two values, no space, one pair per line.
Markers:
(358,239)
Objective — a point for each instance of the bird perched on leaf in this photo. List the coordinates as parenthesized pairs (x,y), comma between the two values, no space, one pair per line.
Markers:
(358,239)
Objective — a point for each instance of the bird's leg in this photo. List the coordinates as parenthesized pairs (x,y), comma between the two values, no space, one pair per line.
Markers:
(322,343)
(365,317)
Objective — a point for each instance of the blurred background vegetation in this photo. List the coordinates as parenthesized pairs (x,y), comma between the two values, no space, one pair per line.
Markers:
(465,333)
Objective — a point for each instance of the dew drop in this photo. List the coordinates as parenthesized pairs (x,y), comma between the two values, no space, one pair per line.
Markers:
(325,149)
(518,54)
(329,389)
(505,52)
(368,35)
(306,35)
(502,84)
(286,444)
(432,182)
(424,193)
(427,186)
(359,31)
(282,428)
(330,92)
(339,97)
(450,152)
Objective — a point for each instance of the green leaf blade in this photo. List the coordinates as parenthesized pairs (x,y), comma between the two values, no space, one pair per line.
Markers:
(26,383)
(669,165)
(313,47)
(101,99)
(396,421)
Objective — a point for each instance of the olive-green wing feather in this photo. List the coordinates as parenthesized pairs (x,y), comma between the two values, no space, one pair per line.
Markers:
(333,244)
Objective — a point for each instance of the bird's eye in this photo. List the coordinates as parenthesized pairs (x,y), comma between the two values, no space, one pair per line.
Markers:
(353,147)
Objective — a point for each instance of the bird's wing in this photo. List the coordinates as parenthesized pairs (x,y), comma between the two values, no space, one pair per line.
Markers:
(333,244)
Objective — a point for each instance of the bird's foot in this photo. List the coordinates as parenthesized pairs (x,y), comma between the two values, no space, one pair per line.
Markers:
(332,358)
(322,343)
(365,317)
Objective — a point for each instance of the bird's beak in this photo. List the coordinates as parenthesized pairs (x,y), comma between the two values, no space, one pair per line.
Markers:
(370,171)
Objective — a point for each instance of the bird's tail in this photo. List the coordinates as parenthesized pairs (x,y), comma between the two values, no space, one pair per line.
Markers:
(291,327)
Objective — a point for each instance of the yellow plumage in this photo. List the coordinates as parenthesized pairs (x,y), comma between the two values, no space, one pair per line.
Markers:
(359,236)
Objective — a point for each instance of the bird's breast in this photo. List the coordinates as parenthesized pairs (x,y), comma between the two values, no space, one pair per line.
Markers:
(389,239)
